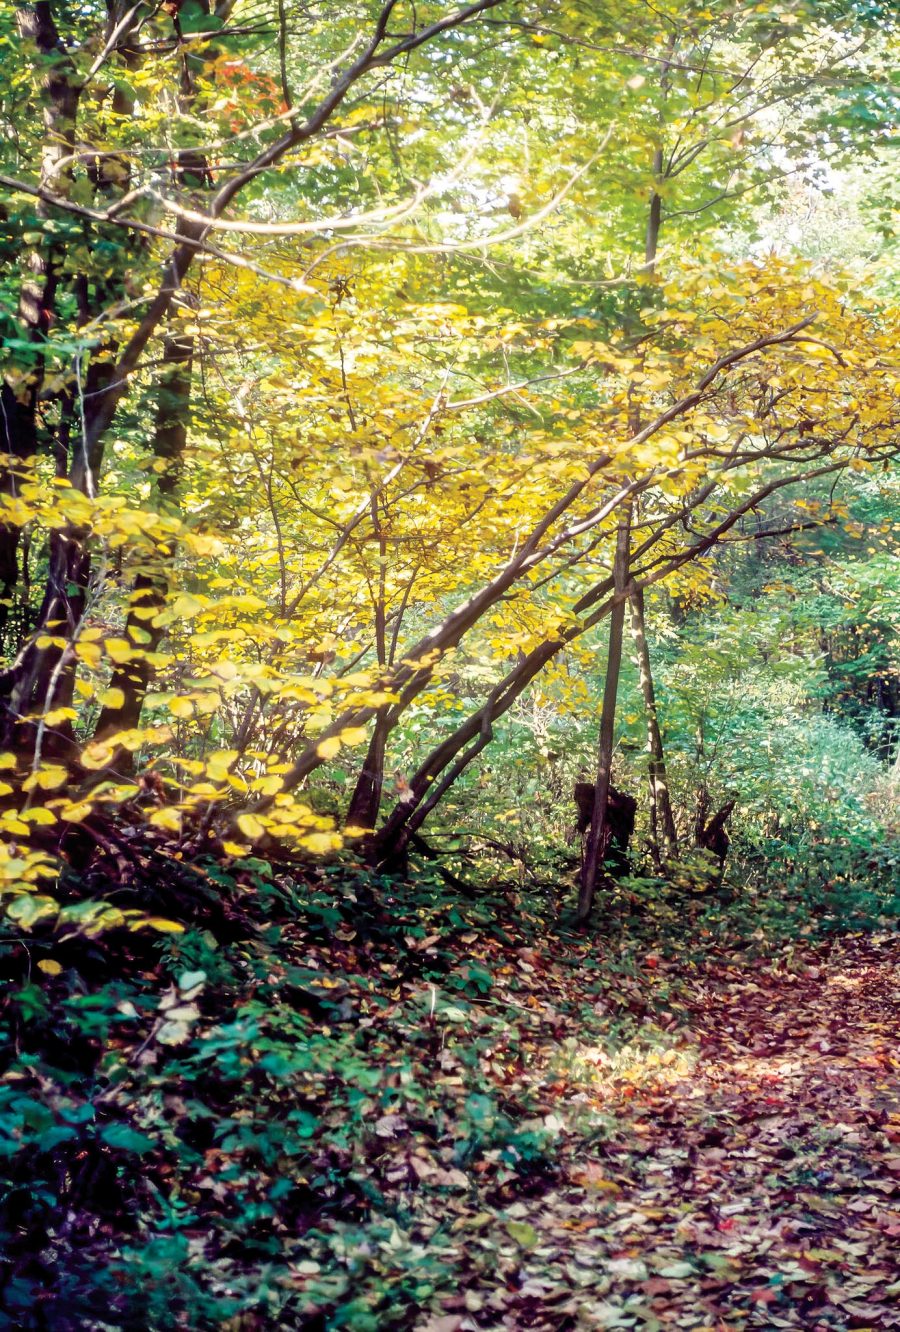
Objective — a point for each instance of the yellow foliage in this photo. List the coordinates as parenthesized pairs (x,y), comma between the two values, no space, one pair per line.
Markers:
(47,778)
(167,818)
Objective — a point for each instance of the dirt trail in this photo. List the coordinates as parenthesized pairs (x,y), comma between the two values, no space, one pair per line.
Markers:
(754,1183)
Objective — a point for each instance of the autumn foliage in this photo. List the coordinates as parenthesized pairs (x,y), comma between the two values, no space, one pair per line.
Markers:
(410,416)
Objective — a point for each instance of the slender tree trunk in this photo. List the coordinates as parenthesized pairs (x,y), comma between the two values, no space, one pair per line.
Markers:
(597,836)
(662,820)
(365,802)
(654,217)
(660,173)
(366,799)
(43,673)
(132,678)
(19,424)
(190,170)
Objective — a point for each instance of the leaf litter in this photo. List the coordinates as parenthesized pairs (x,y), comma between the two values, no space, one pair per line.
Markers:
(753,1180)
(390,1115)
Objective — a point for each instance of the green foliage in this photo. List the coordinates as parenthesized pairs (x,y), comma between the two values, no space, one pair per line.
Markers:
(226,1111)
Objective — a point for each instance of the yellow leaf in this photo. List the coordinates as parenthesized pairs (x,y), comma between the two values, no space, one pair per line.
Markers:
(235,849)
(181,707)
(191,766)
(49,966)
(250,826)
(327,749)
(59,715)
(11,823)
(7,761)
(112,698)
(166,818)
(89,653)
(39,815)
(203,545)
(321,842)
(75,813)
(219,764)
(46,779)
(96,755)
(186,607)
(353,735)
(157,923)
(118,650)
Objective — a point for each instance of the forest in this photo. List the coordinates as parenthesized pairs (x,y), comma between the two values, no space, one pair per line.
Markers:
(450,682)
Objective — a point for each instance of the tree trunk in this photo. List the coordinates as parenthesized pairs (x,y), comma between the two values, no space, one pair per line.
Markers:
(132,678)
(37,296)
(365,802)
(42,677)
(654,218)
(598,832)
(662,821)
(366,799)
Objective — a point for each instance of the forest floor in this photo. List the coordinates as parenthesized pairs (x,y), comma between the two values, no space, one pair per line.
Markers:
(368,1105)
(748,1177)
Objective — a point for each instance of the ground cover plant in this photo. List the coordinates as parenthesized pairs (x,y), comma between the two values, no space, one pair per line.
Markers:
(449,741)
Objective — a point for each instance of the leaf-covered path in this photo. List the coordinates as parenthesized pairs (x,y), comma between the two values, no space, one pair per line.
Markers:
(750,1180)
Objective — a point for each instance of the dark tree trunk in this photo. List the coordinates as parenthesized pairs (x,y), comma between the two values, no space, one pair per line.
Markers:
(595,843)
(621,810)
(654,219)
(710,833)
(660,173)
(19,424)
(662,820)
(366,799)
(365,802)
(151,585)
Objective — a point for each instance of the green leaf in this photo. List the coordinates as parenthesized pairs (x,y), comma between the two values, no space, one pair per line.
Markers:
(522,1232)
(28,909)
(123,1138)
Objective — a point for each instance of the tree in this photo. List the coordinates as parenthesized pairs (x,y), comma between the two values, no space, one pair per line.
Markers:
(598,830)
(41,679)
(250,535)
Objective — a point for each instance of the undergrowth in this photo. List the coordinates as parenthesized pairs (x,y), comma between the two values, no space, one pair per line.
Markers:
(274,1118)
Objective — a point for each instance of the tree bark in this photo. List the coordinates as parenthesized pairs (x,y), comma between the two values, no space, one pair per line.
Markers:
(597,837)
(366,799)
(662,821)
(37,297)
(660,174)
(151,585)
(654,217)
(362,812)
